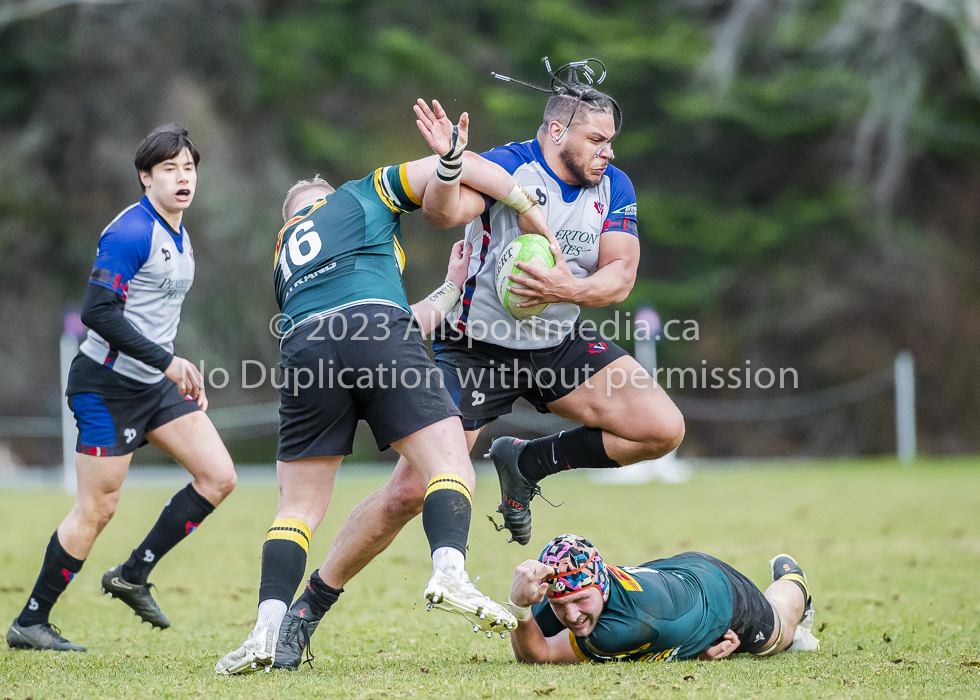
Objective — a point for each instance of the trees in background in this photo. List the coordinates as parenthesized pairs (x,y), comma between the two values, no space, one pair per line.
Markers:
(806,171)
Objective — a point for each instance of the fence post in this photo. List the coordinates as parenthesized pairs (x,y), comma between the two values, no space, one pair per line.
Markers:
(905,407)
(66,351)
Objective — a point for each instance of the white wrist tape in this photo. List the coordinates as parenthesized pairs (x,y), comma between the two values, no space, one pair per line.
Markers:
(520,613)
(444,298)
(451,164)
(519,199)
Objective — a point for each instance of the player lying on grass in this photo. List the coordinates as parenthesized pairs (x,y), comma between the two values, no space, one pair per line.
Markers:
(351,350)
(687,606)
(126,387)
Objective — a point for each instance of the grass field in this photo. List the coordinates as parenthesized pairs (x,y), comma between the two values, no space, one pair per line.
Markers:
(893,556)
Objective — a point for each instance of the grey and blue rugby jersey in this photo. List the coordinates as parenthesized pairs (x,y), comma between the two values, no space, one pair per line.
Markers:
(152,267)
(578,216)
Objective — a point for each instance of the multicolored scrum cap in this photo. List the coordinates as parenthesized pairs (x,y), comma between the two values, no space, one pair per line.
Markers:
(577,564)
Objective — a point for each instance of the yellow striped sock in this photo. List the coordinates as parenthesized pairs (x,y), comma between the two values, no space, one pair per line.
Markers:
(290,529)
(450,482)
(799,580)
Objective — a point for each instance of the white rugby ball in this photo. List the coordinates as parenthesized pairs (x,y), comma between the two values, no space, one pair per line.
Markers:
(532,249)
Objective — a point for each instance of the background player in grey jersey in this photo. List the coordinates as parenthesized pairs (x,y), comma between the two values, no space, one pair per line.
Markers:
(574,607)
(127,387)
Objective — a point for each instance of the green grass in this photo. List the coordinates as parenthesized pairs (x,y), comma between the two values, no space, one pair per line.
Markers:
(893,556)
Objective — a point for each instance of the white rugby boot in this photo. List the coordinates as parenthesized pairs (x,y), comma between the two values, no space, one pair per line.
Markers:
(463,598)
(256,654)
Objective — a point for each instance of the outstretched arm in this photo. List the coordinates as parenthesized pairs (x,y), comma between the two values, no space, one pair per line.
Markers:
(451,193)
(430,312)
(530,645)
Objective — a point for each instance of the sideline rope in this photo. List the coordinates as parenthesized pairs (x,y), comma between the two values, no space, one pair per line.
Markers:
(717,410)
(789,406)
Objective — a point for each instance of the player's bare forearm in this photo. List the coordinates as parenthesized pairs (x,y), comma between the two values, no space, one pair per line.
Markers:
(609,285)
(619,257)
(529,644)
(458,203)
(431,311)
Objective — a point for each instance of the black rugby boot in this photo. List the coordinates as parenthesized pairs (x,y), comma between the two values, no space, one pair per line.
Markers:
(297,627)
(515,491)
(41,637)
(136,596)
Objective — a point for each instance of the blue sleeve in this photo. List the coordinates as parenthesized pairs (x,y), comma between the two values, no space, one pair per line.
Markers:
(510,156)
(123,249)
(622,205)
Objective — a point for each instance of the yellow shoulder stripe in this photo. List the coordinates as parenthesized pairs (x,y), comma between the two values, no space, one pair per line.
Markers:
(403,175)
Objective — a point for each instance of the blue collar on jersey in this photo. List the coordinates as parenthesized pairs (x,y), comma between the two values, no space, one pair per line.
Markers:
(178,237)
(569,193)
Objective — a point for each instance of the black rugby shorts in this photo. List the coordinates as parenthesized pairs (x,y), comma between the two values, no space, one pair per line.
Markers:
(364,362)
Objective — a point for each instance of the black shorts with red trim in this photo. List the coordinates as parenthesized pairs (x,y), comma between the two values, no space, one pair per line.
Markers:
(114,413)
(486,379)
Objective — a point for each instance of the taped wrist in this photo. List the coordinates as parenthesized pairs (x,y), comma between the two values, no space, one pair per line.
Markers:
(521,613)
(519,199)
(444,298)
(451,164)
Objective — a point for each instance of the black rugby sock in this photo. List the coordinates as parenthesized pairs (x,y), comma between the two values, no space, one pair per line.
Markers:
(318,596)
(446,512)
(284,559)
(581,448)
(57,571)
(182,515)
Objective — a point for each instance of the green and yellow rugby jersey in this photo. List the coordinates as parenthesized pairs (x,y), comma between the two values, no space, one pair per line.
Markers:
(344,250)
(665,610)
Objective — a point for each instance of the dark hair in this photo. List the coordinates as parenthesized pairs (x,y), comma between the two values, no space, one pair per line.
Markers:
(163,143)
(562,107)
(570,93)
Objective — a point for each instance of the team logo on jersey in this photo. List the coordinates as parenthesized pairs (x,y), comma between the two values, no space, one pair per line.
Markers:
(599,207)
(596,348)
(166,254)
(189,527)
(68,575)
(542,197)
(627,581)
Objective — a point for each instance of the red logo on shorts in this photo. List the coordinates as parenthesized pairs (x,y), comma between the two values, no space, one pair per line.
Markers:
(596,348)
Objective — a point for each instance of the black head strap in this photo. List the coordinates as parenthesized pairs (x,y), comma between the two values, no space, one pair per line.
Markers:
(572,86)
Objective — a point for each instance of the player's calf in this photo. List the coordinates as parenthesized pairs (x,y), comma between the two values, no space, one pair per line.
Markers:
(789,602)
